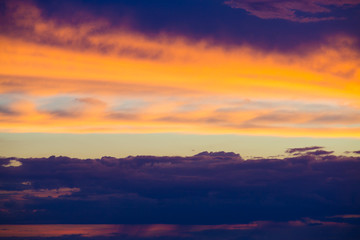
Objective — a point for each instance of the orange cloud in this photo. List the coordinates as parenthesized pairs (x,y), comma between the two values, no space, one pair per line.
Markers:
(325,74)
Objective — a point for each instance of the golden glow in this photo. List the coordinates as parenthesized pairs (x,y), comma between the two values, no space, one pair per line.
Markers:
(241,72)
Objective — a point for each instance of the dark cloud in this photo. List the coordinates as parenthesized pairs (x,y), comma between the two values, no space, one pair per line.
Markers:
(320,152)
(208,188)
(211,195)
(292,10)
(304,149)
(212,20)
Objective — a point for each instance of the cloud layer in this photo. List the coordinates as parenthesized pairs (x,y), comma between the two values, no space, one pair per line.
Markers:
(221,189)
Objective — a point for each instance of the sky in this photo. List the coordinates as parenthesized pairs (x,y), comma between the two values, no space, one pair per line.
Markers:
(284,69)
(183,90)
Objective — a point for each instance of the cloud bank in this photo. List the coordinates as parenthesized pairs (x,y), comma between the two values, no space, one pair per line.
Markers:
(210,191)
(222,186)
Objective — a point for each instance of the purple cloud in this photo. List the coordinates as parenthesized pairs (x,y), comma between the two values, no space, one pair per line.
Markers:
(211,187)
(292,10)
(175,231)
(304,149)
(319,152)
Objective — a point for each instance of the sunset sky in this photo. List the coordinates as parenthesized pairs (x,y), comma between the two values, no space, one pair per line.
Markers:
(282,69)
(272,79)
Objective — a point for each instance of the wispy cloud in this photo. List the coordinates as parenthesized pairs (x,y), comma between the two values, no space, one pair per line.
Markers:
(297,11)
(304,149)
(153,231)
(98,113)
(39,193)
(346,216)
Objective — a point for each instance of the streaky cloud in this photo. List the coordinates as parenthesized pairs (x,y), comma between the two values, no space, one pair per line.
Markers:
(304,149)
(293,10)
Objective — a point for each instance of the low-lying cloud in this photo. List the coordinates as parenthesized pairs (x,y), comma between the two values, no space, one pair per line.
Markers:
(213,188)
(218,192)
